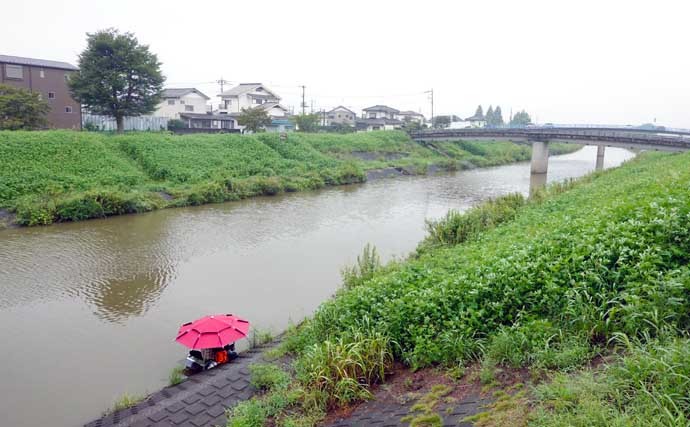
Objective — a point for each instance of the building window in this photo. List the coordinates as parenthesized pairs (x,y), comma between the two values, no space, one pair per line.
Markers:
(181,101)
(68,109)
(51,95)
(189,108)
(258,101)
(42,73)
(66,77)
(171,102)
(14,71)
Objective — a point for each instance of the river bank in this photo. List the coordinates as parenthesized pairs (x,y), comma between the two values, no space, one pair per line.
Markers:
(128,281)
(570,308)
(59,176)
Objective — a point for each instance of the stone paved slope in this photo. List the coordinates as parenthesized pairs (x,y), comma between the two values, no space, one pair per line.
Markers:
(199,401)
(388,414)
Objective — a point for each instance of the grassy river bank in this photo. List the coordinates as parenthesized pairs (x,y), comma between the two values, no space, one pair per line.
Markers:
(580,295)
(55,176)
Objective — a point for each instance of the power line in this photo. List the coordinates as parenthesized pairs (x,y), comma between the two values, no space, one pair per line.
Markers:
(304,105)
(222,82)
(432,105)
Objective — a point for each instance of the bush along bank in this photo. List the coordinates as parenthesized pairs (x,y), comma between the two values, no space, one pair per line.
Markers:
(54,176)
(587,271)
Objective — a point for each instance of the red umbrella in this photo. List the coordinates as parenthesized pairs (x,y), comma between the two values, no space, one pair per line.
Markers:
(212,331)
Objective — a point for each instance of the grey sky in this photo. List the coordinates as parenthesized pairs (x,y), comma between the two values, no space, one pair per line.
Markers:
(605,61)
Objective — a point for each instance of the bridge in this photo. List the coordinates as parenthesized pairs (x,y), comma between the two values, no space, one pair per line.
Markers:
(660,139)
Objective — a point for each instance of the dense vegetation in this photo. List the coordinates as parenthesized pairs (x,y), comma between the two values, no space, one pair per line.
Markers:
(595,268)
(55,176)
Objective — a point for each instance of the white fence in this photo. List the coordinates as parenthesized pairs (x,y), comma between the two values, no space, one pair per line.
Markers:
(106,123)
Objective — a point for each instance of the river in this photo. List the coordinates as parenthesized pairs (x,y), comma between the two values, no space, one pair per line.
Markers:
(89,310)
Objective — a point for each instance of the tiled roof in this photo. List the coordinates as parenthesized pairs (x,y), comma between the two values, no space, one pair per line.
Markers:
(340,107)
(180,92)
(37,62)
(411,113)
(268,105)
(384,108)
(246,87)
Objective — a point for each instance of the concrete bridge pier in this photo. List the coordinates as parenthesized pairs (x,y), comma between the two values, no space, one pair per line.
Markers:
(539,166)
(600,157)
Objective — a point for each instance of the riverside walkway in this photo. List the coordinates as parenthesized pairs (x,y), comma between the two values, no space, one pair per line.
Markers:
(199,401)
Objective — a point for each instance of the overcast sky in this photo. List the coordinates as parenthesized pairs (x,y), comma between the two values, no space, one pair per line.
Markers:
(604,61)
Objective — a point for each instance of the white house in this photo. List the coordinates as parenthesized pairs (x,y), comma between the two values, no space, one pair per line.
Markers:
(340,115)
(460,124)
(379,117)
(247,95)
(255,95)
(380,112)
(411,116)
(181,100)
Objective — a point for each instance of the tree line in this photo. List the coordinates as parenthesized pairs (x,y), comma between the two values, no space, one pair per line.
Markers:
(492,118)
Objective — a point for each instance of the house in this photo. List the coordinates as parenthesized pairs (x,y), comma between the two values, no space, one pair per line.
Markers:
(181,100)
(460,124)
(255,95)
(280,118)
(380,112)
(341,116)
(369,125)
(379,117)
(209,122)
(48,79)
(246,95)
(476,121)
(411,116)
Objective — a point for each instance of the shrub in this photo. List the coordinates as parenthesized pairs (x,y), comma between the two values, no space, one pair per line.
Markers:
(175,124)
(343,368)
(268,376)
(367,264)
(459,227)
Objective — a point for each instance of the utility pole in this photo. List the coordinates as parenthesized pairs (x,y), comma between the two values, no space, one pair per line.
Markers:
(432,105)
(222,82)
(304,104)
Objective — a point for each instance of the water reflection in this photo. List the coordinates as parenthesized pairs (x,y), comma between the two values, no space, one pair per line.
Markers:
(537,181)
(116,300)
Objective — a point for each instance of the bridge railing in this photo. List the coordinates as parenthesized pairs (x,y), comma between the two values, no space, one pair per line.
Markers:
(627,136)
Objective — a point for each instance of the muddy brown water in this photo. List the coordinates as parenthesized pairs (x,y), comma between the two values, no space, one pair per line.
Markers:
(89,310)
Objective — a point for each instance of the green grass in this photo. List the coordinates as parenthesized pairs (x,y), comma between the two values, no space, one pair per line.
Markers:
(596,266)
(176,375)
(127,401)
(649,386)
(54,176)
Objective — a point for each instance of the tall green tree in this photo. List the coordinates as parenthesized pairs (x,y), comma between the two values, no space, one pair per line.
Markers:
(521,118)
(254,119)
(479,113)
(117,76)
(498,116)
(489,117)
(22,109)
(441,122)
(306,122)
